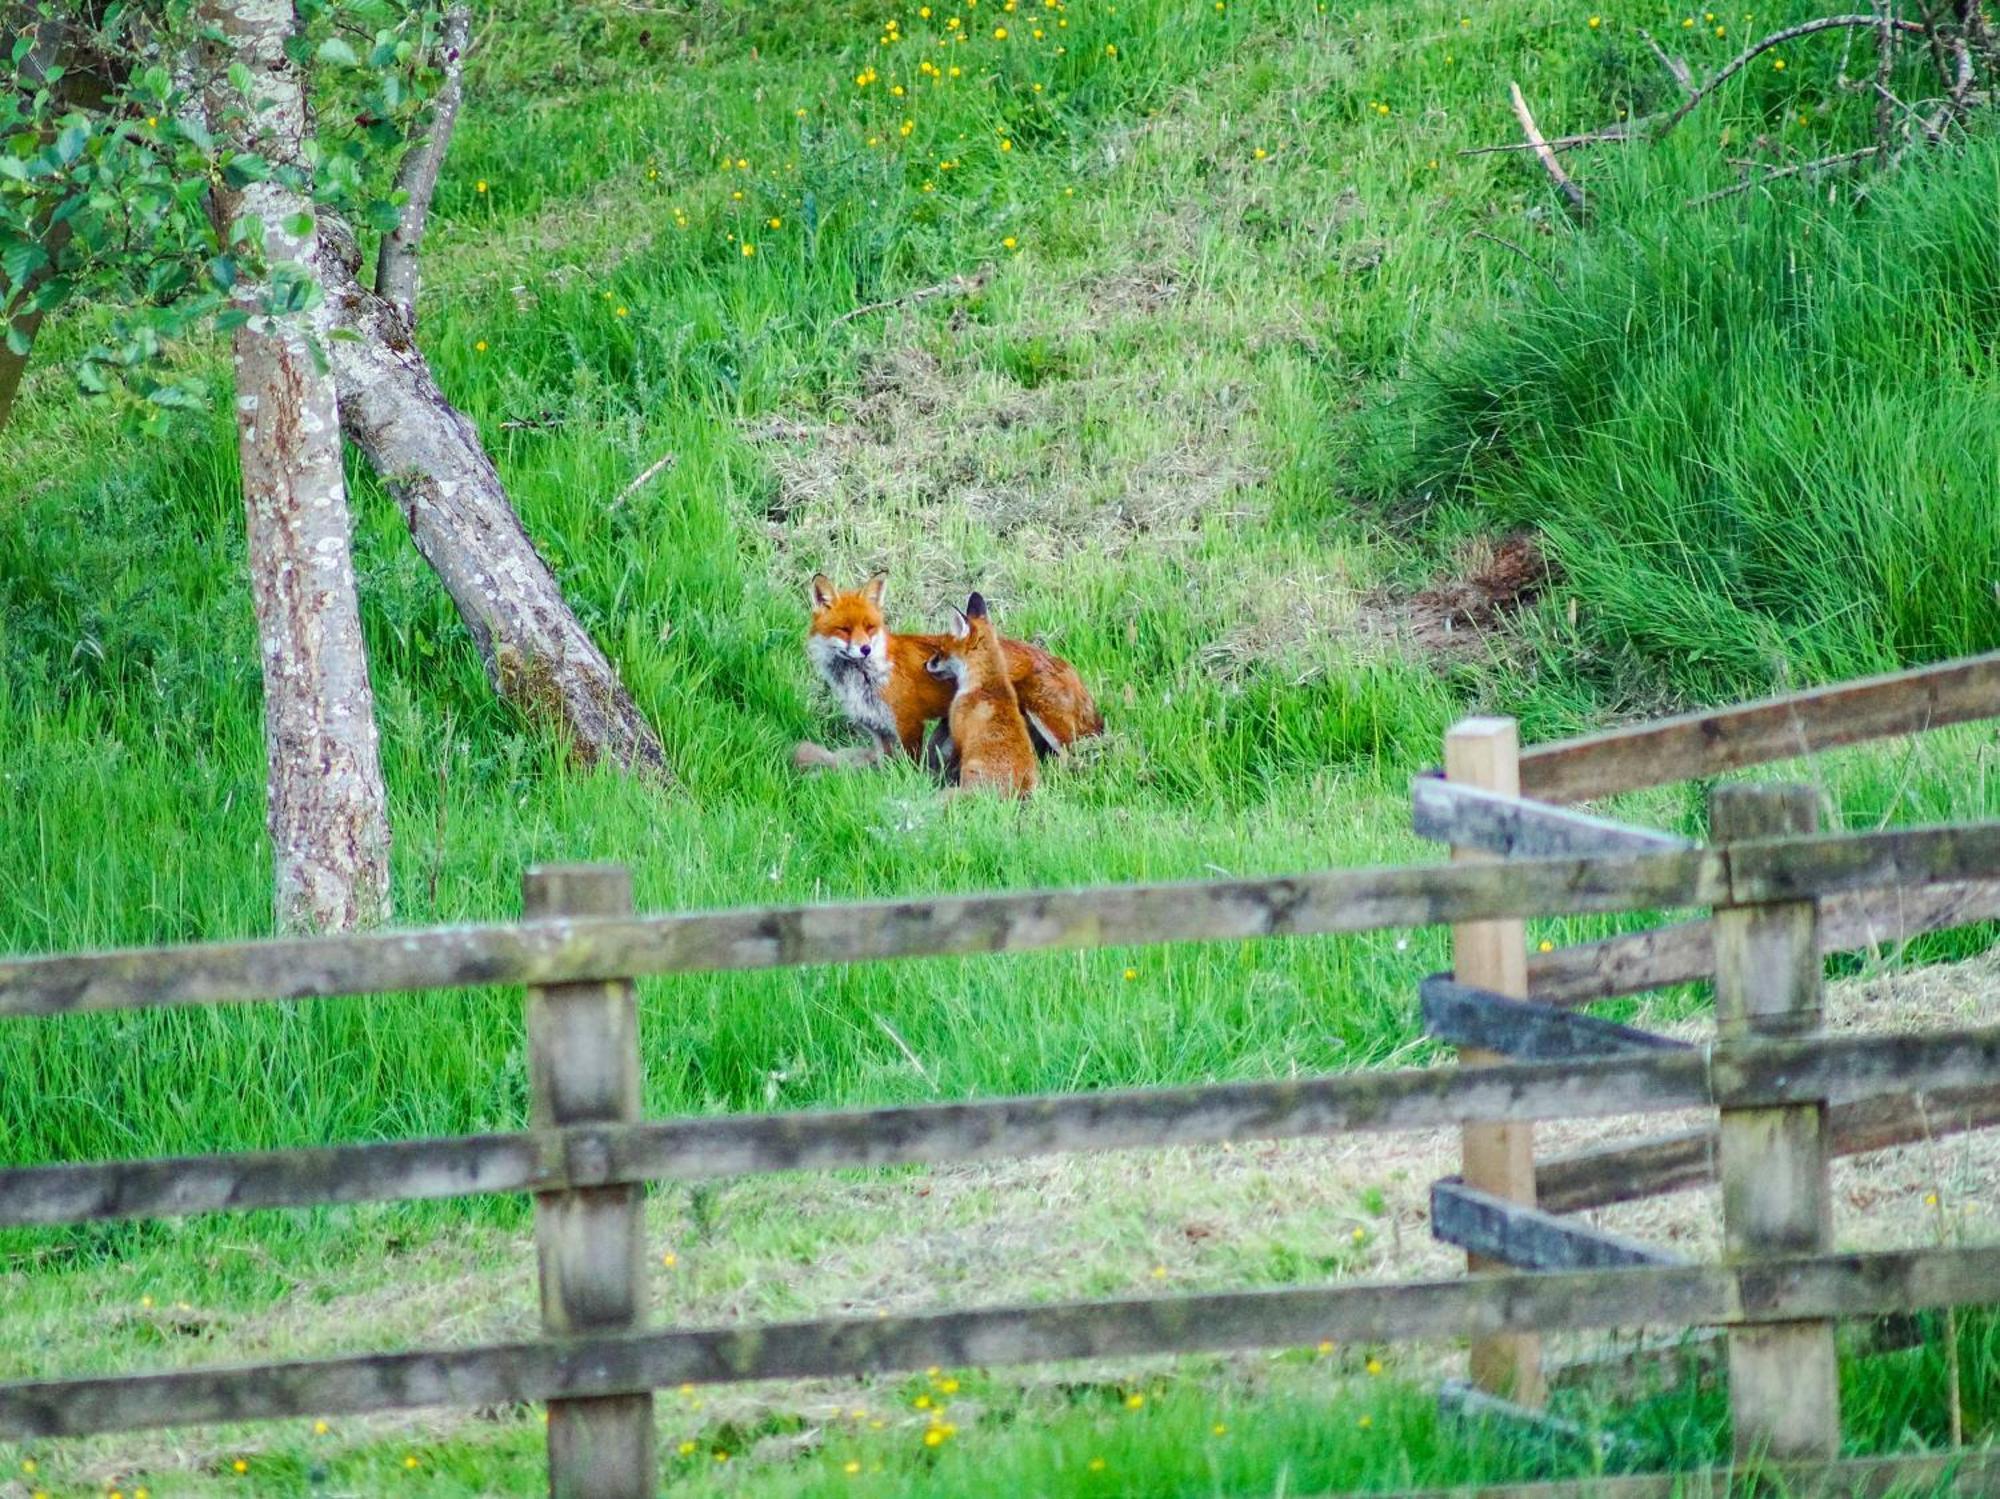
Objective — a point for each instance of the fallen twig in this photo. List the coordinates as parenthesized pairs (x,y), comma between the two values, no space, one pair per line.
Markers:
(1824,163)
(1673,65)
(659,466)
(1547,157)
(957,285)
(1885,69)
(1777,39)
(1508,244)
(1609,135)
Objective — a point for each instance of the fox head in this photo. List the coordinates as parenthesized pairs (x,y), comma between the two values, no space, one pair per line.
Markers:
(847,627)
(970,650)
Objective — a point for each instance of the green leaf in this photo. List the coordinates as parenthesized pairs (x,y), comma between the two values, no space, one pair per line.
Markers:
(337,52)
(18,341)
(70,143)
(240,79)
(246,167)
(231,318)
(21,260)
(222,271)
(298,226)
(13,167)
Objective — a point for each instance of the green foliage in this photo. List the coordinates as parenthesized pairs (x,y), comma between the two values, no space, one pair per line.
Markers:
(1757,438)
(108,153)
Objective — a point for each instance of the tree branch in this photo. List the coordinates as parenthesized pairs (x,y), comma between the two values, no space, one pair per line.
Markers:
(1807,168)
(1673,65)
(1547,157)
(396,270)
(1777,39)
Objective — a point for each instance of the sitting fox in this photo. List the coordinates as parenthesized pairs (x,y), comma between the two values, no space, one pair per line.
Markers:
(879,681)
(987,725)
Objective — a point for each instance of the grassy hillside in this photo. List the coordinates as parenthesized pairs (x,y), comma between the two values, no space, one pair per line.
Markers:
(1231,372)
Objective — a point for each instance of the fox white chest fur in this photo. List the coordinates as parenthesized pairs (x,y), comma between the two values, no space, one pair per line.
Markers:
(856,682)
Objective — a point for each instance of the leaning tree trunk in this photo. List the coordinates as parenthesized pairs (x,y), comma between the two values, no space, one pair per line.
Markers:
(429,455)
(327,811)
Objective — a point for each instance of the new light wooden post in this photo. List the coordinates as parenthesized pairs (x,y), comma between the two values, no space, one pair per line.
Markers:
(1784,1388)
(1498,1158)
(583,1068)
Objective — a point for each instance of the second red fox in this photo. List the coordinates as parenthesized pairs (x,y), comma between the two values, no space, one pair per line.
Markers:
(986,723)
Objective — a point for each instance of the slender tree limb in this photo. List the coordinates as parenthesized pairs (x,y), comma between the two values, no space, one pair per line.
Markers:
(653,471)
(1777,39)
(1609,135)
(957,285)
(397,268)
(1804,168)
(1547,157)
(1885,69)
(537,654)
(1674,65)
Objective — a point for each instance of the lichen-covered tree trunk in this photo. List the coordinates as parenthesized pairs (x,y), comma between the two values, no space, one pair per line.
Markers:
(429,455)
(327,811)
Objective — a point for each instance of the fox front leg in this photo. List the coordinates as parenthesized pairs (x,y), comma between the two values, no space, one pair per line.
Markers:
(941,753)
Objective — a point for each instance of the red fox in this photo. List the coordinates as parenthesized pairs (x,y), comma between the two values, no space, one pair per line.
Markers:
(879,681)
(986,721)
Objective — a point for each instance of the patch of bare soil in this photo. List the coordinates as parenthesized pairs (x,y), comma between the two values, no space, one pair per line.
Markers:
(1466,612)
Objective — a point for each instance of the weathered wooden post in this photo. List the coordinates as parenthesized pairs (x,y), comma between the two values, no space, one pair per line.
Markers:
(1784,1388)
(583,1068)
(1497,1158)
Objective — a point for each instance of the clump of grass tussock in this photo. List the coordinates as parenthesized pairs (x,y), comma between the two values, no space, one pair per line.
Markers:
(1757,437)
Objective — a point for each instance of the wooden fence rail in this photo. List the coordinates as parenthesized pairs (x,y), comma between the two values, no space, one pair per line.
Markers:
(1773,1073)
(1780,728)
(1787,1099)
(1665,1296)
(600,949)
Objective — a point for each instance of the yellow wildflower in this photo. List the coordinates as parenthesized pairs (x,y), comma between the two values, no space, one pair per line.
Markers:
(748,249)
(1134,1400)
(1097,1465)
(1778,64)
(1110,49)
(1595,22)
(999,33)
(320,1428)
(775,223)
(852,1465)
(670,1259)
(239,1466)
(1365,1422)
(1219,1429)
(1374,1366)
(621,312)
(688,1449)
(481,186)
(410,1462)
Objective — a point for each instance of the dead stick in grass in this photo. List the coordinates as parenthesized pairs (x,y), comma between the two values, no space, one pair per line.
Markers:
(1885,68)
(963,285)
(1777,39)
(1610,135)
(1542,152)
(1824,163)
(658,467)
(1673,65)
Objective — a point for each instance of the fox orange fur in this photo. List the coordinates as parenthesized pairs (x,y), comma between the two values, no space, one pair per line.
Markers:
(994,751)
(878,679)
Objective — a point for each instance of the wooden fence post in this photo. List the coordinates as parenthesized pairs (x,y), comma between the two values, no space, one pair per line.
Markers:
(583,1068)
(1784,1388)
(1497,1158)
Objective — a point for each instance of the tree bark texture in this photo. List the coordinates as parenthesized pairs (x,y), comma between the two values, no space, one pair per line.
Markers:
(327,810)
(538,657)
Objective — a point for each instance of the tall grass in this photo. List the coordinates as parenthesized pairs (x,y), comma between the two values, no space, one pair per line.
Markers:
(1757,436)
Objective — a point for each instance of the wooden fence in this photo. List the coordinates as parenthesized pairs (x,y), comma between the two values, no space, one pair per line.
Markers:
(1786,1097)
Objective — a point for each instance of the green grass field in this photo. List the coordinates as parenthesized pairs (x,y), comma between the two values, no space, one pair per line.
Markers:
(1235,373)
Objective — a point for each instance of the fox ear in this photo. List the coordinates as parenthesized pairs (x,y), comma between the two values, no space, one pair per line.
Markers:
(874,587)
(960,626)
(975,607)
(822,591)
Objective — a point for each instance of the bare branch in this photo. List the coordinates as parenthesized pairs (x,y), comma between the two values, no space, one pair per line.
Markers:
(1885,68)
(1805,168)
(1547,157)
(653,470)
(960,285)
(396,271)
(1674,65)
(1777,39)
